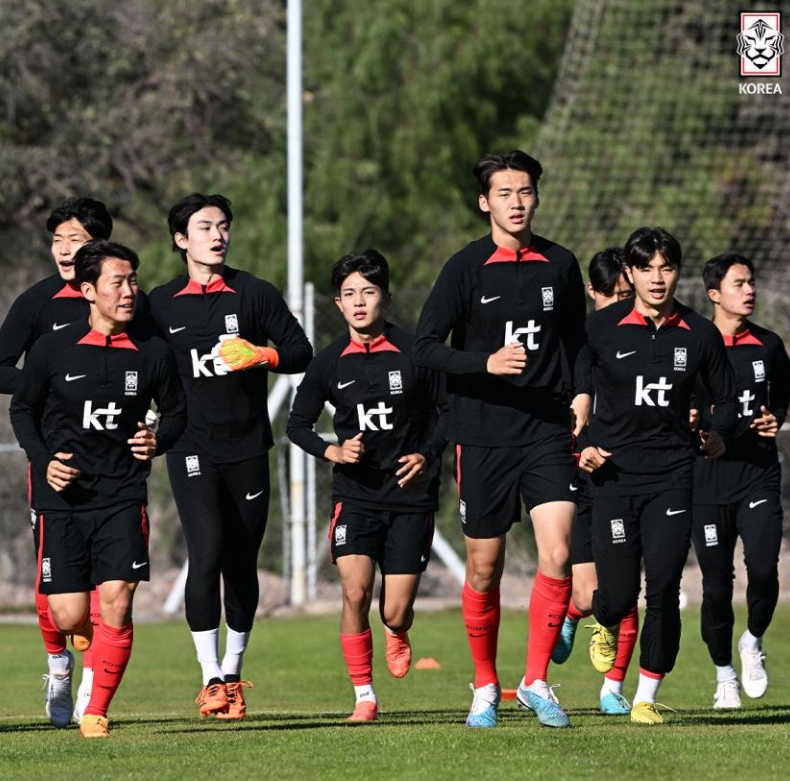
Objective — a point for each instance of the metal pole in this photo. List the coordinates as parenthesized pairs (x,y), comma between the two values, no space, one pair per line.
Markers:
(312,569)
(295,282)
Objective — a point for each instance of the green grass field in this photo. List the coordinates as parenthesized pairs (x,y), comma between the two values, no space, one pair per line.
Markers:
(296,728)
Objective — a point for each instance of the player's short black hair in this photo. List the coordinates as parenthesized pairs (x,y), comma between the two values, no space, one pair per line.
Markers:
(606,268)
(645,242)
(716,268)
(91,214)
(178,217)
(89,258)
(371,264)
(515,160)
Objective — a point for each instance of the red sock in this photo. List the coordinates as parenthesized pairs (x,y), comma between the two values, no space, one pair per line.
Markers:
(87,656)
(54,639)
(481,616)
(547,607)
(575,614)
(111,649)
(358,653)
(626,642)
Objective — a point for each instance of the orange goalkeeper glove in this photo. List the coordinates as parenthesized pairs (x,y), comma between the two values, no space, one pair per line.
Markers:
(239,354)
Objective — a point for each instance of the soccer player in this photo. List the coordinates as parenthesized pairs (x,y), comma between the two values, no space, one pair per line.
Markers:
(607,285)
(740,494)
(387,460)
(47,306)
(218,320)
(646,354)
(78,412)
(514,303)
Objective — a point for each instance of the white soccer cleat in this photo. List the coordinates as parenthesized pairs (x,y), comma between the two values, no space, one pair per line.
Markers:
(754,677)
(728,695)
(59,704)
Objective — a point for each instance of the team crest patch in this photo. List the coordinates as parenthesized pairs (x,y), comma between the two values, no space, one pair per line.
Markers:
(231,324)
(761,44)
(193,466)
(759,371)
(548,298)
(46,571)
(618,530)
(130,384)
(680,359)
(711,535)
(462,510)
(340,535)
(396,383)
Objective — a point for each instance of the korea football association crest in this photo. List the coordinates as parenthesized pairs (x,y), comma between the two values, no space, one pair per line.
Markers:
(130,384)
(618,530)
(231,324)
(761,44)
(711,535)
(46,571)
(341,534)
(759,371)
(680,359)
(547,293)
(193,466)
(396,383)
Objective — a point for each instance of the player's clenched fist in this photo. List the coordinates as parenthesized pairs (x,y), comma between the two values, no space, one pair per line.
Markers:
(593,458)
(349,452)
(238,354)
(510,359)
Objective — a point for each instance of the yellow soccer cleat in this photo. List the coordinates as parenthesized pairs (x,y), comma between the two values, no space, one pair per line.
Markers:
(646,713)
(92,726)
(603,647)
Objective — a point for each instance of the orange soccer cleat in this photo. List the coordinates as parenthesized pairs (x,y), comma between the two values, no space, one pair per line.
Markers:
(237,707)
(364,711)
(239,354)
(82,637)
(213,699)
(397,653)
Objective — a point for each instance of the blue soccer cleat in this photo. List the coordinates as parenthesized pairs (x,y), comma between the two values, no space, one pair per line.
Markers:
(538,697)
(484,705)
(562,650)
(614,704)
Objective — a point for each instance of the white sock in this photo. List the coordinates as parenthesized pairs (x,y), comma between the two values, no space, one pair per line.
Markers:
(616,687)
(726,673)
(365,693)
(207,647)
(647,690)
(749,642)
(87,679)
(59,663)
(235,646)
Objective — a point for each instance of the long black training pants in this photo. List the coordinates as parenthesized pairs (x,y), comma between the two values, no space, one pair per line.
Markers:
(223,510)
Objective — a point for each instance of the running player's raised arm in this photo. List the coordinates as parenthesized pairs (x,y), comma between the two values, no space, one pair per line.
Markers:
(718,378)
(437,387)
(779,383)
(27,406)
(17,335)
(307,407)
(441,313)
(170,402)
(294,351)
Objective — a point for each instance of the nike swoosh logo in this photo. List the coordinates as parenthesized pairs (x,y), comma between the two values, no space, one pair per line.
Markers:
(625,355)
(752,505)
(675,512)
(176,330)
(69,378)
(250,497)
(573,487)
(58,326)
(485,300)
(342,385)
(135,565)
